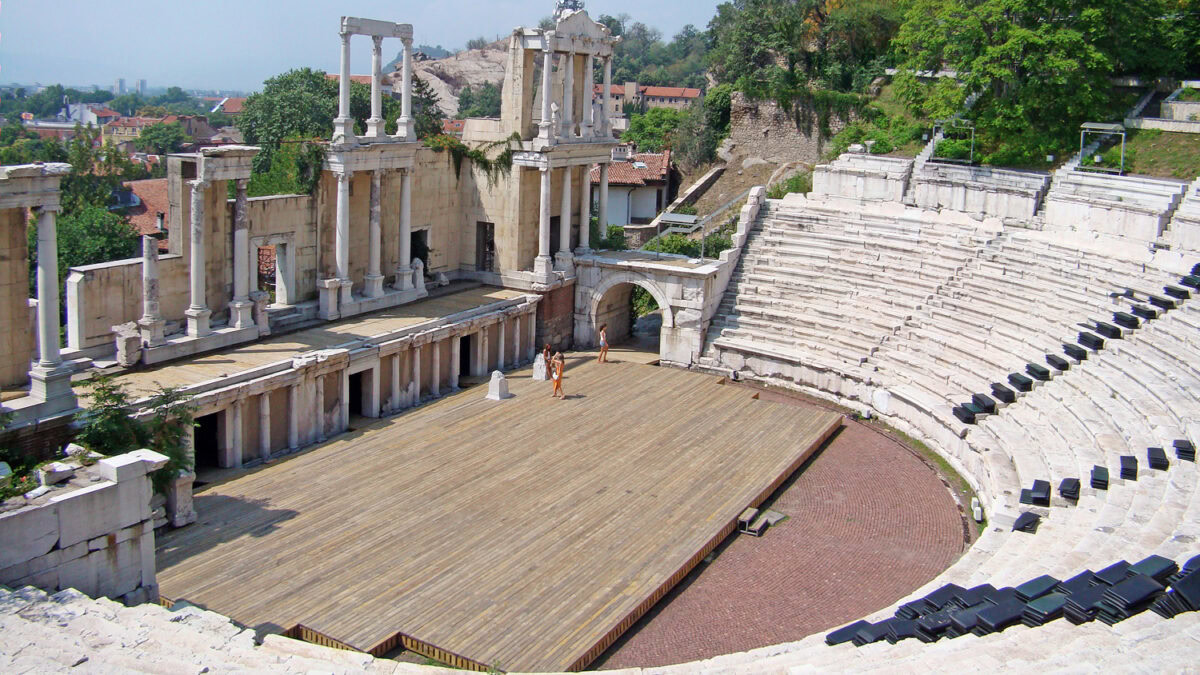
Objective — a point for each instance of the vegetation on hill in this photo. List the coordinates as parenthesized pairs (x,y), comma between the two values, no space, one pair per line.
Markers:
(1152,152)
(484,102)
(161,138)
(644,57)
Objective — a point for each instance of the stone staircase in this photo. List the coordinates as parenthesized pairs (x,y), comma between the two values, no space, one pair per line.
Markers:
(70,632)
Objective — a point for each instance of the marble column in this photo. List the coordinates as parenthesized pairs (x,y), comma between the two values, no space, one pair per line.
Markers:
(376,123)
(397,397)
(344,402)
(197,312)
(605,125)
(531,348)
(415,381)
(585,212)
(516,340)
(241,309)
(342,234)
(49,379)
(294,417)
(319,418)
(568,104)
(405,128)
(374,280)
(602,209)
(543,265)
(435,368)
(502,327)
(404,265)
(264,426)
(484,367)
(238,437)
(589,84)
(151,323)
(455,361)
(544,131)
(565,215)
(343,125)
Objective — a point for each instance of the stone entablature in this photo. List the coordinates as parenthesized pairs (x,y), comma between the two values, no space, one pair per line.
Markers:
(95,534)
(860,176)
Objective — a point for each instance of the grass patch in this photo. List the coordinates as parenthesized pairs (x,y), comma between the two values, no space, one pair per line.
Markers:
(896,132)
(1152,152)
(1189,94)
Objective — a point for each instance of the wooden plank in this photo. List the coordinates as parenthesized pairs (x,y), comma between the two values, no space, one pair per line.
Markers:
(524,534)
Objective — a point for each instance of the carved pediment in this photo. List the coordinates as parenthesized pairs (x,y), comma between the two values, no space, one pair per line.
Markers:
(580,25)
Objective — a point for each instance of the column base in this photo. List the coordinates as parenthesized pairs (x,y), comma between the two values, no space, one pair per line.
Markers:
(373,288)
(404,277)
(376,129)
(197,321)
(51,385)
(406,131)
(180,507)
(329,290)
(152,331)
(582,251)
(343,131)
(565,262)
(345,293)
(241,313)
(543,269)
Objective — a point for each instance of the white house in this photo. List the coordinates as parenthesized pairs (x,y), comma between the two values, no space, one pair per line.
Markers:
(639,186)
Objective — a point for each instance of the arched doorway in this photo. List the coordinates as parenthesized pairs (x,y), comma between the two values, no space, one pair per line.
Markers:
(618,302)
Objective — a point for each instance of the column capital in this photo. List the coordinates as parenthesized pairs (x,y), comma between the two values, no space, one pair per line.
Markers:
(345,36)
(199,184)
(48,208)
(242,183)
(342,174)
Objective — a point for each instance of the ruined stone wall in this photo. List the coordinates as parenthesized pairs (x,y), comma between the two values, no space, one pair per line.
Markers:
(104,295)
(16,346)
(96,536)
(556,317)
(763,129)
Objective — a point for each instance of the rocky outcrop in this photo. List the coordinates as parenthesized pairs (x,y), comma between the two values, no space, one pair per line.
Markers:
(448,76)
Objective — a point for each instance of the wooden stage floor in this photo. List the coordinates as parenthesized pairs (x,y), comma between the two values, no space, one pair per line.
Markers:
(524,535)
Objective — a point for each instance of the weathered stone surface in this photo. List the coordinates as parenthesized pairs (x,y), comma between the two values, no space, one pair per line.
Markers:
(539,368)
(498,387)
(26,534)
(55,473)
(128,337)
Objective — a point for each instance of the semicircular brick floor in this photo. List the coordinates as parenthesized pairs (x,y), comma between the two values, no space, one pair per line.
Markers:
(868,522)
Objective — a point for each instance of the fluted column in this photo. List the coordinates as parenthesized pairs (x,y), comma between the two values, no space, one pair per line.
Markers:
(342,234)
(320,408)
(197,312)
(404,265)
(241,309)
(568,104)
(606,125)
(564,215)
(374,280)
(264,426)
(151,323)
(397,397)
(602,209)
(585,211)
(47,382)
(405,128)
(543,266)
(415,382)
(294,417)
(455,361)
(235,447)
(544,130)
(531,345)
(343,125)
(500,360)
(376,124)
(435,368)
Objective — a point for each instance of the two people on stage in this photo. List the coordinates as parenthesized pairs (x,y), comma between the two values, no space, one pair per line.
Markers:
(557,364)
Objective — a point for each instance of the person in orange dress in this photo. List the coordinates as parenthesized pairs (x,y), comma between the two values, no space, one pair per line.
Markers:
(558,365)
(603,358)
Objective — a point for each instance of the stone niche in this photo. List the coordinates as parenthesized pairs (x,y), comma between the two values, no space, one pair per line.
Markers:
(93,533)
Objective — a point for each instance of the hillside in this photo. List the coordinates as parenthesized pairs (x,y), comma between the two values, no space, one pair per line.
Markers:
(448,76)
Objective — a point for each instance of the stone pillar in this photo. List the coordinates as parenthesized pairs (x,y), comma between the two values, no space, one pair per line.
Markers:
(565,215)
(568,104)
(264,426)
(415,382)
(376,123)
(397,397)
(502,326)
(543,265)
(484,349)
(531,352)
(589,84)
(374,280)
(237,437)
(404,266)
(405,128)
(344,402)
(342,234)
(585,212)
(49,379)
(455,361)
(294,417)
(602,209)
(544,131)
(605,124)
(197,312)
(151,323)
(241,310)
(435,368)
(320,403)
(343,125)
(516,341)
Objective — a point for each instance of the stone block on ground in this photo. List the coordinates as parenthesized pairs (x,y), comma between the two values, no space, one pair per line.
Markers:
(540,371)
(498,387)
(129,344)
(55,473)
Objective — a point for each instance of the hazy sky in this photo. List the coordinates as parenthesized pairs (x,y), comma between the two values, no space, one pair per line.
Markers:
(232,44)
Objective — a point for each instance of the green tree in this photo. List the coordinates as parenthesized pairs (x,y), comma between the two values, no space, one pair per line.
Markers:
(166,432)
(95,171)
(651,131)
(717,104)
(106,426)
(484,102)
(693,141)
(477,43)
(161,138)
(86,236)
(428,116)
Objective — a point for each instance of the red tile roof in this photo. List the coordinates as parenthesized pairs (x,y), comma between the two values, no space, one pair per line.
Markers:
(153,193)
(453,126)
(647,90)
(361,79)
(625,173)
(103,111)
(233,105)
(136,122)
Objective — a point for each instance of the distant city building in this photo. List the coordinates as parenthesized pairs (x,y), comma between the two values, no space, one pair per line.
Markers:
(453,127)
(644,97)
(640,185)
(230,105)
(123,131)
(141,87)
(88,114)
(119,87)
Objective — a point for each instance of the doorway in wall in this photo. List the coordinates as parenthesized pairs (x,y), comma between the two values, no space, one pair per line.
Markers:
(357,394)
(485,247)
(207,442)
(266,266)
(464,356)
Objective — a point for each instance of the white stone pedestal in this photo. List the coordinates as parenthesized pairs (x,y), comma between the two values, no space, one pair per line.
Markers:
(543,269)
(540,371)
(498,387)
(180,510)
(373,285)
(241,313)
(52,388)
(565,262)
(197,320)
(329,291)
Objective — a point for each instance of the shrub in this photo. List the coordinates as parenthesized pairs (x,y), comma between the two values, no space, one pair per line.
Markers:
(799,182)
(953,148)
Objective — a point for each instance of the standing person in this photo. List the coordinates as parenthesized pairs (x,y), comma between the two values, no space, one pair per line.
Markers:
(603,358)
(558,365)
(546,356)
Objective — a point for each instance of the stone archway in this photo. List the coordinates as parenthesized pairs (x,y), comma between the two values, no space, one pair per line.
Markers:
(591,312)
